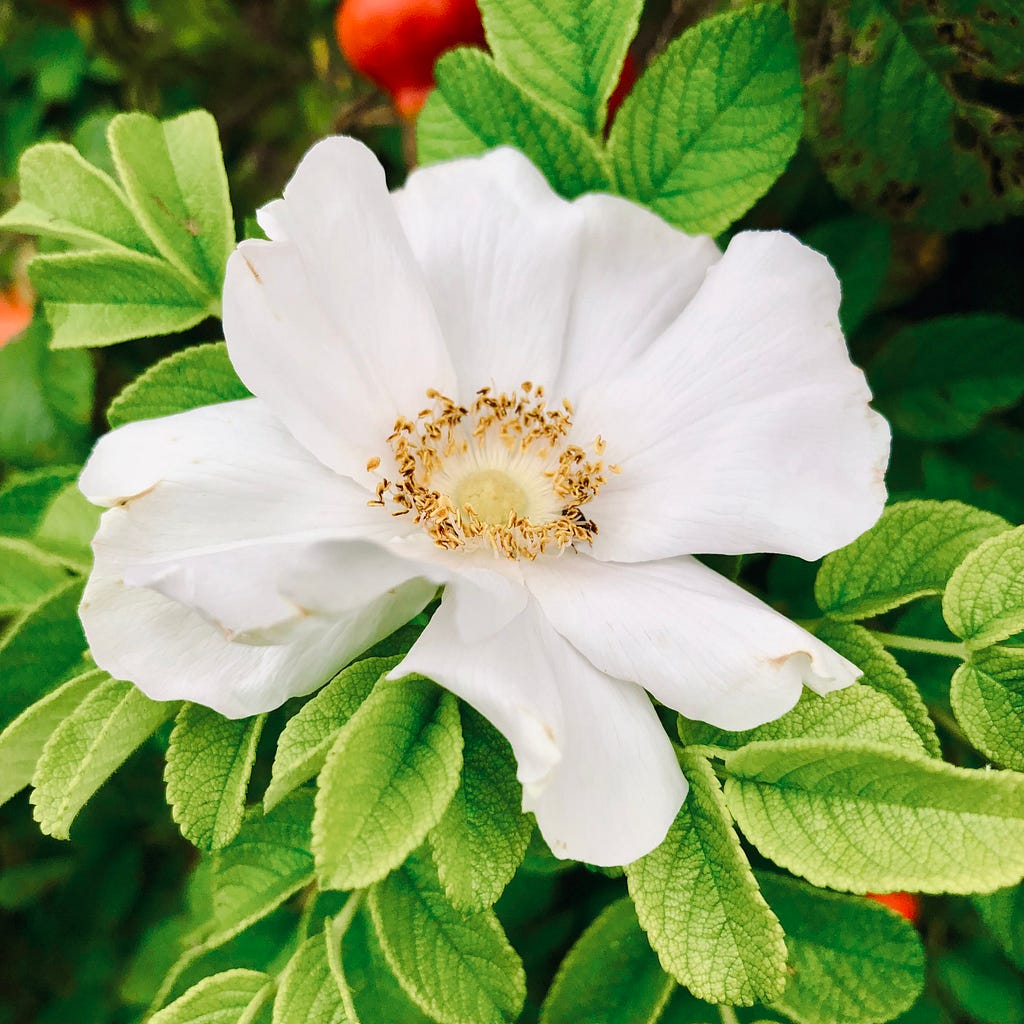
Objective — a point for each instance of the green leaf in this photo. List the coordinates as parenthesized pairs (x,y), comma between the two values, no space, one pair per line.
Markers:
(857,816)
(209,761)
(609,976)
(68,527)
(713,121)
(859,250)
(173,173)
(39,649)
(233,997)
(63,196)
(309,735)
(987,694)
(984,600)
(28,574)
(1003,914)
(268,861)
(386,782)
(856,712)
(481,839)
(495,111)
(46,400)
(568,54)
(456,965)
(196,376)
(867,62)
(882,672)
(25,497)
(23,740)
(909,553)
(100,298)
(851,960)
(937,380)
(442,135)
(697,900)
(308,993)
(88,747)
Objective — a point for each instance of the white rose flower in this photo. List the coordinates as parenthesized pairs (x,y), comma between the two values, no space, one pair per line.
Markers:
(547,407)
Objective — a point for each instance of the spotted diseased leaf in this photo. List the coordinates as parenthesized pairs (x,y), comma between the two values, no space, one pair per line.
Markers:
(88,747)
(910,552)
(865,818)
(456,965)
(610,975)
(697,900)
(483,104)
(481,839)
(196,376)
(713,121)
(568,55)
(956,162)
(987,694)
(851,961)
(209,761)
(984,601)
(387,780)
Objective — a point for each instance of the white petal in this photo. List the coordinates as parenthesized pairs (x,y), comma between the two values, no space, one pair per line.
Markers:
(636,275)
(499,251)
(745,427)
(332,325)
(597,768)
(171,652)
(211,506)
(699,643)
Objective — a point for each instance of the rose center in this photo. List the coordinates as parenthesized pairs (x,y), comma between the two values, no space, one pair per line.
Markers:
(493,495)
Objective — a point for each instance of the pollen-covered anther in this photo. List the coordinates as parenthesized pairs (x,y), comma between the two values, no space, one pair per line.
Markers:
(499,472)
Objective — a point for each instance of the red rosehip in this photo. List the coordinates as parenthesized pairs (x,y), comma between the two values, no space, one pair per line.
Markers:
(396,43)
(904,903)
(15,316)
(627,79)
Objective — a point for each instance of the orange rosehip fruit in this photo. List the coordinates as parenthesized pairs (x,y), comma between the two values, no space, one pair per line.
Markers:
(904,903)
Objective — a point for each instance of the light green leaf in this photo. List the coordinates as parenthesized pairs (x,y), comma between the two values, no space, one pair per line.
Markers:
(23,740)
(209,761)
(173,173)
(481,839)
(309,735)
(713,121)
(851,961)
(100,298)
(46,400)
(68,527)
(697,900)
(937,380)
(29,574)
(39,649)
(442,135)
(857,712)
(567,54)
(268,861)
(25,497)
(857,816)
(498,113)
(386,782)
(910,552)
(882,672)
(859,250)
(987,694)
(88,747)
(456,965)
(63,196)
(196,376)
(1003,914)
(233,997)
(308,992)
(610,976)
(984,600)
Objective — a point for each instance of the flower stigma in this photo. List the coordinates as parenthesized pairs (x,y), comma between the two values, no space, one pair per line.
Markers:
(499,473)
